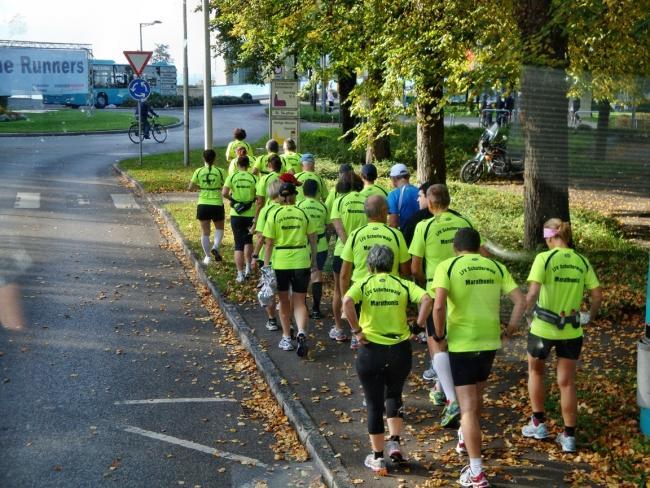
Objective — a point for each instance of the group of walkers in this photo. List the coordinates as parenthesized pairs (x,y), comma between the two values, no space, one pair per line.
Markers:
(393,249)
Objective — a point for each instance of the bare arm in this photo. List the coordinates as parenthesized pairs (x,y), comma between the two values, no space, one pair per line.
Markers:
(350,313)
(259,203)
(393,220)
(340,231)
(416,270)
(405,269)
(531,298)
(440,311)
(519,301)
(225,192)
(192,187)
(596,300)
(426,305)
(267,251)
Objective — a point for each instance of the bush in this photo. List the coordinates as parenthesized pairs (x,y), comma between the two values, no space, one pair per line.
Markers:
(157,100)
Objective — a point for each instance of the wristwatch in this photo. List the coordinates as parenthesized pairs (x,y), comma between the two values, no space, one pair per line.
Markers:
(437,338)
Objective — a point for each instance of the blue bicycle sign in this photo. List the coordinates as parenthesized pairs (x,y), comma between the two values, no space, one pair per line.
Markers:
(139,89)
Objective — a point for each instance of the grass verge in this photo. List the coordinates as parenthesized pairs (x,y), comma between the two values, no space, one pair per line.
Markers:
(72,120)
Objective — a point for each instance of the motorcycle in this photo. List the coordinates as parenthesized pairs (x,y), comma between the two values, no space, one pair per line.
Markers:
(491,158)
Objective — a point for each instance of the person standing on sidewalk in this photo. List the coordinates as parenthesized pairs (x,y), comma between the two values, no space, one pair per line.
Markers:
(557,281)
(291,237)
(317,212)
(309,173)
(362,239)
(239,189)
(384,359)
(273,194)
(209,181)
(433,243)
(468,297)
(348,213)
(368,176)
(239,135)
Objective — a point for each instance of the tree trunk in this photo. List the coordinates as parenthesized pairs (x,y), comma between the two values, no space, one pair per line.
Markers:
(347,82)
(604,109)
(544,124)
(378,148)
(430,144)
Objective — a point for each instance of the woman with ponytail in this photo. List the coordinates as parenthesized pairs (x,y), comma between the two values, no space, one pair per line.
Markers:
(557,281)
(209,181)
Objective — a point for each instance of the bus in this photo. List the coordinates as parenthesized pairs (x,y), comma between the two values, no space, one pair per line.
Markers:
(109,83)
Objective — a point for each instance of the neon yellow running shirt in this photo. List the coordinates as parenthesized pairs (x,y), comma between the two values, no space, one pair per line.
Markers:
(289,227)
(242,190)
(210,181)
(317,212)
(350,209)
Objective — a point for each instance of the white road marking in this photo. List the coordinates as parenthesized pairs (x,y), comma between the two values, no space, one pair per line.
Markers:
(196,447)
(174,400)
(77,200)
(124,201)
(27,200)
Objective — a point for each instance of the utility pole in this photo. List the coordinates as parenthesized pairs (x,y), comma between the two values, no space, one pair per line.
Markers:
(207,78)
(186,107)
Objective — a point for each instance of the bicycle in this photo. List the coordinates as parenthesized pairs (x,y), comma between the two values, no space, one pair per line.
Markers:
(158,131)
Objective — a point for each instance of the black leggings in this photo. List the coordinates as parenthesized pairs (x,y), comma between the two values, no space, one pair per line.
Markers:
(382,371)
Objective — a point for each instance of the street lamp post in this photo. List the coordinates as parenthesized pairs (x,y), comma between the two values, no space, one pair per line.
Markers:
(146,24)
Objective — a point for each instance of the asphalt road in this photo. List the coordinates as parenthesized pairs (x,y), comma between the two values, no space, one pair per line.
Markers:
(114,332)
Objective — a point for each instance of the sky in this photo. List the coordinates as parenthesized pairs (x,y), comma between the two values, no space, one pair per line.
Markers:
(111,27)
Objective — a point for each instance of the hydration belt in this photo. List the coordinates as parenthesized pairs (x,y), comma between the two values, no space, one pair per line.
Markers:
(558,320)
(291,247)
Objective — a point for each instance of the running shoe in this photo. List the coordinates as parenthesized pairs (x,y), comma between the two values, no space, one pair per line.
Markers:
(206,260)
(450,415)
(437,397)
(240,277)
(315,314)
(395,452)
(536,430)
(272,324)
(378,466)
(566,442)
(461,448)
(247,272)
(217,256)
(285,344)
(430,374)
(467,479)
(354,343)
(303,349)
(338,335)
(421,338)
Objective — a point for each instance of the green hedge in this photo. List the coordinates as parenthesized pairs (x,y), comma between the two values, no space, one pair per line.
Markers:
(157,101)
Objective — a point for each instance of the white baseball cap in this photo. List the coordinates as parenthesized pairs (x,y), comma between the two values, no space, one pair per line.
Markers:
(398,170)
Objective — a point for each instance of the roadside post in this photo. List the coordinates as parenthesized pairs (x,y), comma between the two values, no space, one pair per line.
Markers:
(284,109)
(139,88)
(643,369)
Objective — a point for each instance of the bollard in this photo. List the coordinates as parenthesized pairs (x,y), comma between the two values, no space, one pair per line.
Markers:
(643,369)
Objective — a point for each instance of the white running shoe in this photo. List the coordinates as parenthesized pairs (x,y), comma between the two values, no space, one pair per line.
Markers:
(538,431)
(286,344)
(240,277)
(467,479)
(377,465)
(338,335)
(566,442)
(395,452)
(206,260)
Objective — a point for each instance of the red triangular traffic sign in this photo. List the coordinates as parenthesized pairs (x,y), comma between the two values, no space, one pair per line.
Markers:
(138,60)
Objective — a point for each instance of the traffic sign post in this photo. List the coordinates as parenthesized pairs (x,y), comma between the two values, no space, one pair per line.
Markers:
(284,110)
(139,89)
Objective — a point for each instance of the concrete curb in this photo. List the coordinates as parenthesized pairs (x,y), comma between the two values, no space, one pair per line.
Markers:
(334,473)
(86,133)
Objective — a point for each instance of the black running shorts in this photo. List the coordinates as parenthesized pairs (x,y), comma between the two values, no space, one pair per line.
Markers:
(540,348)
(337,263)
(210,212)
(470,368)
(298,279)
(321,257)
(240,226)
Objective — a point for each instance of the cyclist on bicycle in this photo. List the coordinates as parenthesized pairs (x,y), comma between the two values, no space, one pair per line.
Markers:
(143,112)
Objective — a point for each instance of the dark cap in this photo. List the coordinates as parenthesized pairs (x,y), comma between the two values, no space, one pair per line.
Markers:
(369,171)
(345,168)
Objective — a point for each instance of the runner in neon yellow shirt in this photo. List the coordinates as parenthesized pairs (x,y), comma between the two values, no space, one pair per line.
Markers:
(363,238)
(209,181)
(291,237)
(383,364)
(557,282)
(347,214)
(432,244)
(317,212)
(274,167)
(308,173)
(290,158)
(240,151)
(468,297)
(239,189)
(239,134)
(261,166)
(369,175)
